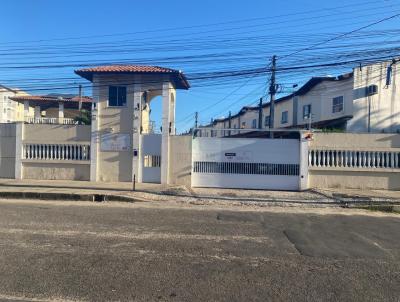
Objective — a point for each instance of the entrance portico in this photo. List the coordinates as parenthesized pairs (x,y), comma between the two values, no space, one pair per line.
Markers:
(120,129)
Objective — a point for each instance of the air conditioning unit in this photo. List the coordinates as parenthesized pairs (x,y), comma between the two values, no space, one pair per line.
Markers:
(372,89)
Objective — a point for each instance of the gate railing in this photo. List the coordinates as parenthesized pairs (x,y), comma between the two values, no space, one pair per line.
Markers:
(77,152)
(326,158)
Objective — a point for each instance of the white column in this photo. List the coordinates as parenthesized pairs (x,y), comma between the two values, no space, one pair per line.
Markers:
(172,111)
(19,132)
(26,110)
(37,112)
(303,170)
(137,154)
(61,113)
(166,119)
(94,135)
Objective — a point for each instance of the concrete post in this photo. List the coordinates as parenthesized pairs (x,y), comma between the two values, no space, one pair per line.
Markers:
(137,160)
(19,133)
(303,177)
(95,134)
(166,119)
(37,112)
(26,110)
(61,113)
(94,145)
(172,111)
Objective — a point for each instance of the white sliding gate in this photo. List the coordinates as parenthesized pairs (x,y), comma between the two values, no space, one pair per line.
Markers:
(249,163)
(151,158)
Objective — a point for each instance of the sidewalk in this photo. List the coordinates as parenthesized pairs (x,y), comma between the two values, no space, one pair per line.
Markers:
(95,191)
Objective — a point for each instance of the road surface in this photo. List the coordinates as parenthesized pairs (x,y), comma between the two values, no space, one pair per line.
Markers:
(67,251)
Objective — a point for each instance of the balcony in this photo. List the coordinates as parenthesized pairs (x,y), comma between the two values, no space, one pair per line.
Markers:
(50,120)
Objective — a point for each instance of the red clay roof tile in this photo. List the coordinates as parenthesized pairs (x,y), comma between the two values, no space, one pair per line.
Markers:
(178,76)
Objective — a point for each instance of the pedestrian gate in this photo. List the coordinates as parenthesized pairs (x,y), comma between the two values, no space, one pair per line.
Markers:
(151,158)
(249,163)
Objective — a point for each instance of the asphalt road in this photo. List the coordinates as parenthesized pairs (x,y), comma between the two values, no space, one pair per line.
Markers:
(115,252)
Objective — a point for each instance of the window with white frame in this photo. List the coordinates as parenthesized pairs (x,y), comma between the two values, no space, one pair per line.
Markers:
(116,96)
(306,111)
(254,124)
(284,117)
(337,104)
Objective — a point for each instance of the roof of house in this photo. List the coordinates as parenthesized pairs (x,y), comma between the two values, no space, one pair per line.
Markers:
(179,78)
(51,98)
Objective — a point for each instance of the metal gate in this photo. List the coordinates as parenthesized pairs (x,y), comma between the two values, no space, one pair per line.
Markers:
(151,158)
(249,163)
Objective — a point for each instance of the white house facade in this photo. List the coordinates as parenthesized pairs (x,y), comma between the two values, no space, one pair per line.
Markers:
(366,100)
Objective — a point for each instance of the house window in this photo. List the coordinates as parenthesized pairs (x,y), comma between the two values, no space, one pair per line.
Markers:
(337,104)
(266,121)
(306,111)
(243,125)
(284,118)
(254,124)
(116,96)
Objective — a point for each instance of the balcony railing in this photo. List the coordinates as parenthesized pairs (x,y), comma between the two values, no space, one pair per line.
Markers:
(49,120)
(76,152)
(318,158)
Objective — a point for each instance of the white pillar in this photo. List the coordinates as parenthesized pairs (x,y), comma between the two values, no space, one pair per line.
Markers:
(137,159)
(61,113)
(172,111)
(166,119)
(37,112)
(19,132)
(26,110)
(303,169)
(94,145)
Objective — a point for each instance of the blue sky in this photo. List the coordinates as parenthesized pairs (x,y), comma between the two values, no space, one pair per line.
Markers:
(35,25)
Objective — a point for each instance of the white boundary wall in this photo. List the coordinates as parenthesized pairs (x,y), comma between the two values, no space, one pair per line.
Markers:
(354,161)
(249,163)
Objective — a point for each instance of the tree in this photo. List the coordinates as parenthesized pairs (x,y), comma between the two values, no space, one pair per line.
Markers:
(84,118)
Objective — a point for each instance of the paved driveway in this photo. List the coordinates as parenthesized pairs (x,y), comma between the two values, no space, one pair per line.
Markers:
(154,252)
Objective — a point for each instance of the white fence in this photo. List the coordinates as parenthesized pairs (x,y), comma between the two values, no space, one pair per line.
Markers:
(322,158)
(80,152)
(49,120)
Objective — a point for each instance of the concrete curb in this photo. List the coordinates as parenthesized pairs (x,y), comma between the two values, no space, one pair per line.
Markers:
(104,197)
(70,196)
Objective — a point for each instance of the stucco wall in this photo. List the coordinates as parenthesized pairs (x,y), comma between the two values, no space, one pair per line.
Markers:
(56,133)
(7,150)
(384,106)
(56,171)
(355,178)
(180,160)
(355,140)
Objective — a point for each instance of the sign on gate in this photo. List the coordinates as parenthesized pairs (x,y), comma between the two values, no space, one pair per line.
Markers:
(249,163)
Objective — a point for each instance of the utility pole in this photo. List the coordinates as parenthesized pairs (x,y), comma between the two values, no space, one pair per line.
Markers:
(260,114)
(229,123)
(272,92)
(196,118)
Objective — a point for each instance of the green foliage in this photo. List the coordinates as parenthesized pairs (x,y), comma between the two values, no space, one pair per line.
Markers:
(84,118)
